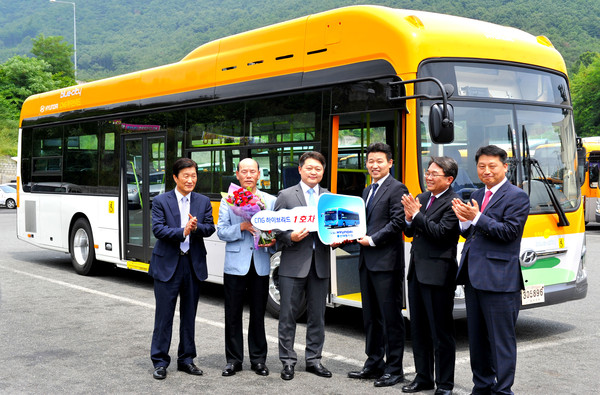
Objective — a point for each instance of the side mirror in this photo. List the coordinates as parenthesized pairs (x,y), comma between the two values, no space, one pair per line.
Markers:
(441,115)
(582,165)
(441,126)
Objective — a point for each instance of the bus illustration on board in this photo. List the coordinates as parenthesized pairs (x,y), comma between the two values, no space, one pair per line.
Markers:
(340,218)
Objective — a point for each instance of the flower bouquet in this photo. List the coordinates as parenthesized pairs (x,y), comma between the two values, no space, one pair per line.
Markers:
(245,204)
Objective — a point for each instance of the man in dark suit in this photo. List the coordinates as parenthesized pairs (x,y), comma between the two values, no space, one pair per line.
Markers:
(490,269)
(180,221)
(432,277)
(381,271)
(304,270)
(245,278)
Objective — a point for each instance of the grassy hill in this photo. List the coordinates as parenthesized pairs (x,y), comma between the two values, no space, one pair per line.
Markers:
(119,36)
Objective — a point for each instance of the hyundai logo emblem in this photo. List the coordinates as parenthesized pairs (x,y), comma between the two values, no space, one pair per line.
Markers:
(528,258)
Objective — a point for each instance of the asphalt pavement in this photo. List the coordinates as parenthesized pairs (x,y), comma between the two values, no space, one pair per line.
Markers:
(65,333)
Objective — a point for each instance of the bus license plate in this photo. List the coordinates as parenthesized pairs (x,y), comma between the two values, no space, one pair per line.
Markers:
(532,294)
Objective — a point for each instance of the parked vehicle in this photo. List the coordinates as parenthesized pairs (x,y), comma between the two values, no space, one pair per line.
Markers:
(8,196)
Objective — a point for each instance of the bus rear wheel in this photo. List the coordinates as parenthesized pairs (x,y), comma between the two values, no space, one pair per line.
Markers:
(81,247)
(273,302)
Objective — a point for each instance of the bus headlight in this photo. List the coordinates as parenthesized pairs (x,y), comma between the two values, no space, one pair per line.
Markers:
(581,273)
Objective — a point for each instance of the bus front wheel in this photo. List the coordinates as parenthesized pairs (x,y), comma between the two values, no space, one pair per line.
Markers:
(81,247)
(273,301)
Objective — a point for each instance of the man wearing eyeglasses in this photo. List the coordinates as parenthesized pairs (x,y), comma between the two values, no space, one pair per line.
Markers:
(434,228)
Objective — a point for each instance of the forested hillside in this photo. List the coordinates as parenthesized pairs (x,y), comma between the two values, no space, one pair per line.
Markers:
(118,36)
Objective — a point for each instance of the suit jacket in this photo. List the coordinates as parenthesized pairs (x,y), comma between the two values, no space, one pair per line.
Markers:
(239,249)
(435,235)
(296,257)
(166,226)
(492,246)
(385,223)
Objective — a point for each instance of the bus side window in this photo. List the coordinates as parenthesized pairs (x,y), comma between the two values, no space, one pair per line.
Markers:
(351,183)
(290,176)
(463,185)
(216,170)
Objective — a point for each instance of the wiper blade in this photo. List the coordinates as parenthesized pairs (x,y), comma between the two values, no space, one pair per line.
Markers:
(562,217)
(551,180)
(531,162)
(513,163)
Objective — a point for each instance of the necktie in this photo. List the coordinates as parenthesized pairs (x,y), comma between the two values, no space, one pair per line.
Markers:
(312,203)
(185,209)
(373,190)
(486,199)
(430,202)
(311,197)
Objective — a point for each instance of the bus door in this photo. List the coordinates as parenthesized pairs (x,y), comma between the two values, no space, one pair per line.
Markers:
(142,178)
(351,135)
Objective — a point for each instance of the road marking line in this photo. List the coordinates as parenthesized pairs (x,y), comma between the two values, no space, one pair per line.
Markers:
(134,302)
(521,347)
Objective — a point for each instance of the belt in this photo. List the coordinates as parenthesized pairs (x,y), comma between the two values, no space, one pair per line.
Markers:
(184,253)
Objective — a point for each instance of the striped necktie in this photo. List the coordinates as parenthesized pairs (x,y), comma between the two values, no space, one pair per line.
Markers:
(185,209)
(430,202)
(371,199)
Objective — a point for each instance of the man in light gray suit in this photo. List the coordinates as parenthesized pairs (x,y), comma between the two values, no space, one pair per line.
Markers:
(304,268)
(246,269)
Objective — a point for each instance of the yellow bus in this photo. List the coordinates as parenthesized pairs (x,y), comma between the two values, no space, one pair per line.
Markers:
(588,162)
(597,216)
(91,157)
(589,186)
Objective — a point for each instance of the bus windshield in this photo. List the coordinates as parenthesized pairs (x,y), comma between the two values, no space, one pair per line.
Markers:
(479,122)
(330,215)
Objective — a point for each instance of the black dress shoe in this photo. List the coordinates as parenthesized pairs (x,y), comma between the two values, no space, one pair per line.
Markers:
(231,368)
(288,372)
(366,373)
(160,373)
(189,368)
(387,380)
(260,368)
(319,370)
(441,391)
(415,386)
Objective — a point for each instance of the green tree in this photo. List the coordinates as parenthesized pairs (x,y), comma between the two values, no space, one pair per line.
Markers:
(585,89)
(8,109)
(21,77)
(585,59)
(8,136)
(9,125)
(57,53)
